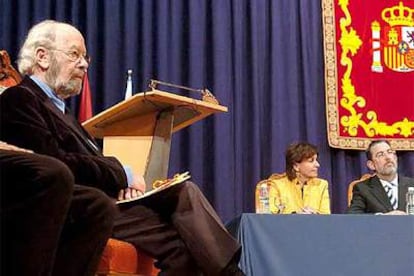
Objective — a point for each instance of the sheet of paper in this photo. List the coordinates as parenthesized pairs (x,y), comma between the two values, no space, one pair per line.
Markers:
(160,186)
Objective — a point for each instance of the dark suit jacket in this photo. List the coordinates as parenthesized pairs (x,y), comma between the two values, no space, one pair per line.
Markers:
(30,120)
(369,196)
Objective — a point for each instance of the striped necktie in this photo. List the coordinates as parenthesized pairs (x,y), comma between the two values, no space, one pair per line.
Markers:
(391,195)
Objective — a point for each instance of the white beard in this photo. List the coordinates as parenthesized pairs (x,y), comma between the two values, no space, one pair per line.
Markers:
(64,89)
(69,89)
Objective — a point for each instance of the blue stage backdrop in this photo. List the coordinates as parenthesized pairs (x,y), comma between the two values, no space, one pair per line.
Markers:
(263,59)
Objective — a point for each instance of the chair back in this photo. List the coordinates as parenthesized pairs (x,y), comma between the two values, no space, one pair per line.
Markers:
(275,176)
(8,75)
(267,181)
(353,183)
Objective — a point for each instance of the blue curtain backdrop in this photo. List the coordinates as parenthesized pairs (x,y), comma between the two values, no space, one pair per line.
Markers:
(261,58)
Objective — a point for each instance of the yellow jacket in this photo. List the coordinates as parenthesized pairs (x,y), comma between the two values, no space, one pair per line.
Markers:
(286,196)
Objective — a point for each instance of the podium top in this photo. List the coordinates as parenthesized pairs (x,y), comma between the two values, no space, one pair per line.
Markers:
(137,115)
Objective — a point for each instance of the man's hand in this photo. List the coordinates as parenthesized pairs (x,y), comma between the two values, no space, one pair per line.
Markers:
(396,213)
(138,183)
(135,190)
(129,193)
(5,146)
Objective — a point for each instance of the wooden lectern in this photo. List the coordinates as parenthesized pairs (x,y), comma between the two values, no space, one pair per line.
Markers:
(138,130)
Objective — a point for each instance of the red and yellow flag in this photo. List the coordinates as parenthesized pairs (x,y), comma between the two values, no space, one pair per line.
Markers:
(369,72)
(85,106)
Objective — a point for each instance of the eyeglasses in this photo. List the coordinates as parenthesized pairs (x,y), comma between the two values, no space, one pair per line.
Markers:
(382,154)
(74,55)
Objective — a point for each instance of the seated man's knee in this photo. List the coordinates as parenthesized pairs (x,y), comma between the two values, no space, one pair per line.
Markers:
(36,173)
(55,172)
(103,207)
(189,188)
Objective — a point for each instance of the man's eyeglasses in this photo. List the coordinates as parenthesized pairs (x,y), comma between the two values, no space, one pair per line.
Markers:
(74,55)
(382,154)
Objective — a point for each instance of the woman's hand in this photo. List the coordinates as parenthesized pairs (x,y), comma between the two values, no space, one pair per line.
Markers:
(308,210)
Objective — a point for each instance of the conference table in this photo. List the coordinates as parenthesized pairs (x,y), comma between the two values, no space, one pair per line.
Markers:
(325,244)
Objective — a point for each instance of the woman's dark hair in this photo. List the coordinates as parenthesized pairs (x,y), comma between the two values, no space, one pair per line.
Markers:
(296,153)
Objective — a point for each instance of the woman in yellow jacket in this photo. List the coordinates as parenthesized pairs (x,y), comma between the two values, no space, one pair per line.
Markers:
(299,191)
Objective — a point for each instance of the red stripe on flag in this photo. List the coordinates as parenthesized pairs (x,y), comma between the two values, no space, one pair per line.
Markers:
(85,107)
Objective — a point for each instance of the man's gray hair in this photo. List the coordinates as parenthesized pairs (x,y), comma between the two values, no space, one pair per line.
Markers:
(42,34)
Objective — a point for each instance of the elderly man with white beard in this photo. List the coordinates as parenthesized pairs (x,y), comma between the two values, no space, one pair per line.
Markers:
(177,226)
(385,192)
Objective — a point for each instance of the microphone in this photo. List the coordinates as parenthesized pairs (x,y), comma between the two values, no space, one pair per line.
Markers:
(207,96)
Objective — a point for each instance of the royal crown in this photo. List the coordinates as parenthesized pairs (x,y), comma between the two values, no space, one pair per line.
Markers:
(398,15)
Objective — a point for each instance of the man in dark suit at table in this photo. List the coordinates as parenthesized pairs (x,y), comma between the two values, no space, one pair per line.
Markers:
(385,192)
(176,226)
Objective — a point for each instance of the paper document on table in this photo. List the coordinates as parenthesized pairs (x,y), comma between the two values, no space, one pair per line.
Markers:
(161,185)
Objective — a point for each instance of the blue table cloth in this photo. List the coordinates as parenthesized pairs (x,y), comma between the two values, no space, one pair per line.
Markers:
(325,245)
